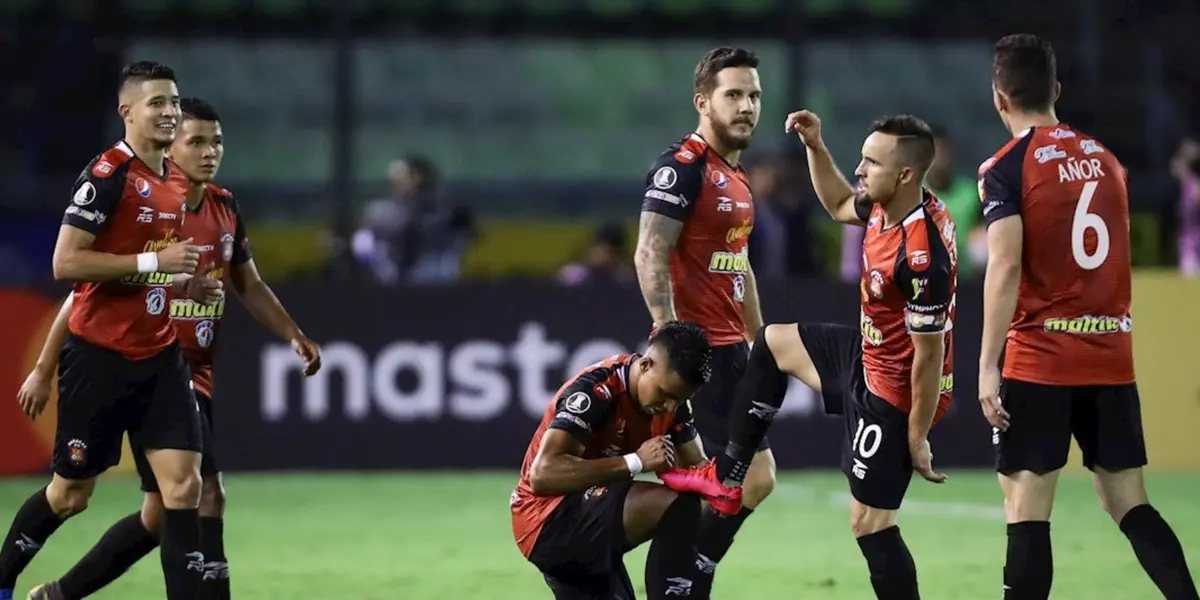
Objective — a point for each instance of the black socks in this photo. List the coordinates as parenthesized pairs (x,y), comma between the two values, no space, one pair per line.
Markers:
(34,523)
(713,541)
(671,563)
(1159,551)
(893,572)
(759,395)
(122,546)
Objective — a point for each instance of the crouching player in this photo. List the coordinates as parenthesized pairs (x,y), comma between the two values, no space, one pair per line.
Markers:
(576,509)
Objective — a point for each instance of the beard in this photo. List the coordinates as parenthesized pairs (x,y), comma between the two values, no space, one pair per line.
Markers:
(728,139)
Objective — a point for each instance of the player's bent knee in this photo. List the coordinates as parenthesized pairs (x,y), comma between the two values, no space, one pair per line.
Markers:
(865,520)
(760,479)
(1120,491)
(645,504)
(790,354)
(69,497)
(1028,496)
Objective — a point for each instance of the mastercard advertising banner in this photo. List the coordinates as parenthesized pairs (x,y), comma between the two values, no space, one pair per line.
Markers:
(406,369)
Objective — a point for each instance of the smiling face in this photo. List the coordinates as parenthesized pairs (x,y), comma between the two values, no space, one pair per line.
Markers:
(150,109)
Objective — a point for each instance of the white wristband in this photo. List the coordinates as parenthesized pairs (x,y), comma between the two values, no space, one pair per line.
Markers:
(147,262)
(633,463)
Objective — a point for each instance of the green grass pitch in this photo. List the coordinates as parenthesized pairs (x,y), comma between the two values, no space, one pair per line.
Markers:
(447,536)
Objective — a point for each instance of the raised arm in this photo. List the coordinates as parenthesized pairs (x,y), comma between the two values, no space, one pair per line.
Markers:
(831,186)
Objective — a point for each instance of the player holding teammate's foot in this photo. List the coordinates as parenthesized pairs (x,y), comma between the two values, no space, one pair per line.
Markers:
(214,223)
(891,379)
(692,263)
(121,368)
(1057,289)
(576,510)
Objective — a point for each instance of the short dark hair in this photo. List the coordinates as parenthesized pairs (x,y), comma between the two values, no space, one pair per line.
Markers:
(717,60)
(914,140)
(1025,69)
(146,70)
(688,350)
(198,109)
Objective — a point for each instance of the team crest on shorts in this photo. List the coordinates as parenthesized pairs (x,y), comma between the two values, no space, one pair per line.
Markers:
(595,492)
(227,246)
(77,452)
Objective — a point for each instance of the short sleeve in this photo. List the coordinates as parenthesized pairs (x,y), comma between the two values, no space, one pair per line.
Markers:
(241,244)
(683,430)
(579,411)
(95,198)
(1000,184)
(673,184)
(927,280)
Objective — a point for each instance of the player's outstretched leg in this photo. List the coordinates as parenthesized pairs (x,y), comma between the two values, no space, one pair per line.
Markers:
(37,519)
(1123,494)
(670,521)
(759,396)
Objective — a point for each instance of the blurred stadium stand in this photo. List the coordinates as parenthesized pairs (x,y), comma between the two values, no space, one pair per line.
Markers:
(549,111)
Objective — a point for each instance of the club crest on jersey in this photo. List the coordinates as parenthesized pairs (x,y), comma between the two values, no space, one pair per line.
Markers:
(227,246)
(578,403)
(719,179)
(204,333)
(875,285)
(143,187)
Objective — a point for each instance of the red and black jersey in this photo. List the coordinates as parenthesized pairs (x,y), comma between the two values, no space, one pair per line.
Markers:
(1072,325)
(909,280)
(130,209)
(216,226)
(693,184)
(596,408)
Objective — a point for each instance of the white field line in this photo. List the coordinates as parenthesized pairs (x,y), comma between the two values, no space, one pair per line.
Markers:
(802,494)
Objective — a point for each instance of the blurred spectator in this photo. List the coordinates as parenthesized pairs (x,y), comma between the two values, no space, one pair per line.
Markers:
(781,243)
(411,236)
(769,238)
(1185,166)
(606,260)
(961,195)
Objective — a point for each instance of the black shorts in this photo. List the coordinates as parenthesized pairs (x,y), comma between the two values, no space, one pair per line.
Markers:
(875,456)
(581,548)
(713,401)
(208,460)
(1106,421)
(103,395)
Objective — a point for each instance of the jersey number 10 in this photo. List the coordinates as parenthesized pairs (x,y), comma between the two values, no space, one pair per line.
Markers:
(1081,223)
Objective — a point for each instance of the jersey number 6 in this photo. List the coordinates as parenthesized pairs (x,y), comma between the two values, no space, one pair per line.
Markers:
(1084,221)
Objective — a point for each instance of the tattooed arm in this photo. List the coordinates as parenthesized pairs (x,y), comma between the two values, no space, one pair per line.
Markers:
(672,188)
(657,234)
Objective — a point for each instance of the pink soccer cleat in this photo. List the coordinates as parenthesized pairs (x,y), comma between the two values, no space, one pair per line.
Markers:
(702,480)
